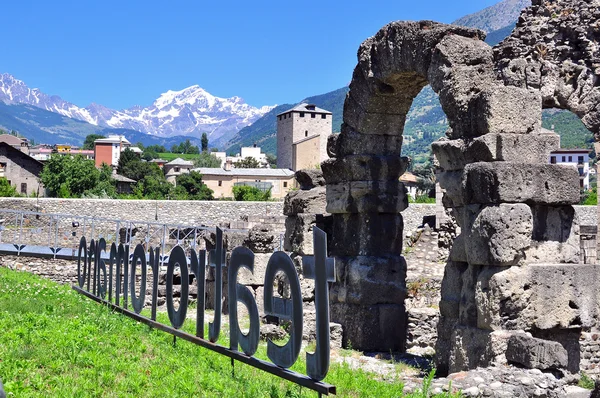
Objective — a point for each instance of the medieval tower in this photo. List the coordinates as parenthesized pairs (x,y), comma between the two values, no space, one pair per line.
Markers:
(302,137)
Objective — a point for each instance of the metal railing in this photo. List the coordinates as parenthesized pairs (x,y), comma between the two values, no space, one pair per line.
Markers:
(57,235)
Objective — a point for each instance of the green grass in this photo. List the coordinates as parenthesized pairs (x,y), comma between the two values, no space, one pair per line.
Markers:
(55,342)
(168,156)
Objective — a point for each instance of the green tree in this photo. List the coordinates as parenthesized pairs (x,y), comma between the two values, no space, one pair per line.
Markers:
(106,186)
(69,176)
(193,185)
(206,159)
(204,142)
(272,160)
(88,143)
(249,193)
(247,163)
(7,190)
(156,148)
(149,155)
(151,182)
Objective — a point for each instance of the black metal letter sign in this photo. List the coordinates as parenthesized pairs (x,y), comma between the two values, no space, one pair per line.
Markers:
(92,267)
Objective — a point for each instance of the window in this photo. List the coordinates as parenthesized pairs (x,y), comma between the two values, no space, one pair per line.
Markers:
(285,184)
(312,115)
(24,187)
(220,183)
(279,117)
(301,114)
(563,158)
(323,116)
(579,159)
(306,133)
(553,159)
(570,158)
(177,169)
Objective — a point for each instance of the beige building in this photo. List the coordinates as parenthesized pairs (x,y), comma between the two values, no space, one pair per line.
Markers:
(177,167)
(306,126)
(222,181)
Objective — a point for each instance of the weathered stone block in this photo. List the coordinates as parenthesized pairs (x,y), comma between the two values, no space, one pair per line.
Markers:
(299,235)
(555,235)
(452,183)
(262,239)
(372,328)
(532,148)
(305,201)
(364,168)
(210,297)
(245,277)
(309,178)
(365,280)
(509,109)
(538,296)
(352,234)
(503,182)
(349,142)
(472,348)
(443,344)
(499,235)
(452,289)
(535,353)
(367,197)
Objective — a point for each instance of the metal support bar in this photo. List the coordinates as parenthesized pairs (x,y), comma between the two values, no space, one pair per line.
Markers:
(302,380)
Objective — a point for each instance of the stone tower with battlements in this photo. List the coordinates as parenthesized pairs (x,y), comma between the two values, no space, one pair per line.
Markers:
(302,137)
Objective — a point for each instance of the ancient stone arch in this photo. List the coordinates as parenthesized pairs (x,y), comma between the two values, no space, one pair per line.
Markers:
(513,269)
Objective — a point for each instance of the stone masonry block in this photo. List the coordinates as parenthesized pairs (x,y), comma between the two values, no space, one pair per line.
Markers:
(499,235)
(503,182)
(353,234)
(555,235)
(509,109)
(538,297)
(522,148)
(366,280)
(535,353)
(367,197)
(298,234)
(260,266)
(472,347)
(305,201)
(349,142)
(364,168)
(372,328)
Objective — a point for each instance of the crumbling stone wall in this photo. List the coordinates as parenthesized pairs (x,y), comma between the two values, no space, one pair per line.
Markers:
(513,290)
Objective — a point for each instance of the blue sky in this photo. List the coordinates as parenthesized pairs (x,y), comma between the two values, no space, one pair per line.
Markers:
(128,52)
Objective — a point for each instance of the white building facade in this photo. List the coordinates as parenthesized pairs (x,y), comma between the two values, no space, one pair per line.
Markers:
(578,158)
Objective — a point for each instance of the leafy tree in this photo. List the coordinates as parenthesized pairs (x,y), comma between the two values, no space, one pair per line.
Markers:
(247,163)
(140,145)
(149,155)
(106,186)
(69,176)
(156,148)
(206,159)
(590,198)
(272,160)
(204,142)
(151,182)
(249,193)
(193,185)
(7,190)
(185,147)
(88,143)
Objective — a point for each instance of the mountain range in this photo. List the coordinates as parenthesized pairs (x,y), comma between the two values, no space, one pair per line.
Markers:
(188,112)
(229,122)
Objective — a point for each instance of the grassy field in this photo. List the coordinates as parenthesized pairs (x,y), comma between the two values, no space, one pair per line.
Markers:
(168,156)
(57,343)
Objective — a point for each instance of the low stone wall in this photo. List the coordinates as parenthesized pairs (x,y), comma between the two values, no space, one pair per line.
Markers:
(187,212)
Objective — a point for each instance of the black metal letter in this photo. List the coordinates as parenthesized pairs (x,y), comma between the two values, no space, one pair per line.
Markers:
(82,247)
(285,355)
(138,302)
(242,257)
(214,328)
(177,258)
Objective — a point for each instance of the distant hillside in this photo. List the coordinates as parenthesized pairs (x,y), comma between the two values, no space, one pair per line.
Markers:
(573,133)
(51,128)
(495,17)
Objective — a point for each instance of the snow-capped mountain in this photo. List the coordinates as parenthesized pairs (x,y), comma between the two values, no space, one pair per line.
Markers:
(191,111)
